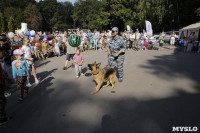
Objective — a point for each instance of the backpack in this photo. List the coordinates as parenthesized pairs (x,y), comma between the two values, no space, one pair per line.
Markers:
(91,40)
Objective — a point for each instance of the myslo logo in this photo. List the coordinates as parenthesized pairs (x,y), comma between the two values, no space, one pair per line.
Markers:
(184,129)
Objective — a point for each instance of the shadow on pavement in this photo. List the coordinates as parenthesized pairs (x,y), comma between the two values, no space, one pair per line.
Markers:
(42,64)
(67,107)
(44,74)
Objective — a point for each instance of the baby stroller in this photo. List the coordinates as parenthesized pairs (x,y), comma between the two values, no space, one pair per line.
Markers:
(151,46)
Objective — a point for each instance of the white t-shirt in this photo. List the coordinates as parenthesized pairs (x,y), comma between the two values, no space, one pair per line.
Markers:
(132,36)
(36,49)
(137,35)
(173,37)
(27,51)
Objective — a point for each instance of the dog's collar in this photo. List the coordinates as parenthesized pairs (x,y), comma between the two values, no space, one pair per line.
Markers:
(96,73)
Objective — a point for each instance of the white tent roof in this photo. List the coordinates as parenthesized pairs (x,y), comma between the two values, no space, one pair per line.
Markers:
(192,27)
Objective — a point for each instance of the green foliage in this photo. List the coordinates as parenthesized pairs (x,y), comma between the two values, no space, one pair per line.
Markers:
(11,24)
(17,15)
(2,23)
(198,12)
(33,17)
(56,15)
(48,15)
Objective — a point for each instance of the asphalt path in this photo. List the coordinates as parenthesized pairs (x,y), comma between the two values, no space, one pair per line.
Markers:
(160,90)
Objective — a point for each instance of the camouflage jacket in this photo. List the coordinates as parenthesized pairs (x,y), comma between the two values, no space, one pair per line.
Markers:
(117,44)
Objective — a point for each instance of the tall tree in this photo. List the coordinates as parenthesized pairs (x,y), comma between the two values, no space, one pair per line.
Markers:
(2,23)
(33,17)
(16,13)
(11,24)
(48,8)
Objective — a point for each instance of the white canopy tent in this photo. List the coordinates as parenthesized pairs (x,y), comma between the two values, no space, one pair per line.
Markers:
(195,26)
(186,31)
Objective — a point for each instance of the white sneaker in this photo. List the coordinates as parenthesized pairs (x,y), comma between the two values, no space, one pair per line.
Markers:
(28,84)
(37,81)
(77,76)
(82,74)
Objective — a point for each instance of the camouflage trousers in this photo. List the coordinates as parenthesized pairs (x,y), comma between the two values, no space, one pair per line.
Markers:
(118,63)
(2,104)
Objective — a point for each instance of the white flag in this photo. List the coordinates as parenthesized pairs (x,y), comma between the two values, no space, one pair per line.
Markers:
(128,28)
(148,28)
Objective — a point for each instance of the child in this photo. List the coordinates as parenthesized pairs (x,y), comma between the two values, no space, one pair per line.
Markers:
(70,54)
(146,44)
(142,47)
(82,44)
(19,70)
(27,56)
(57,49)
(12,41)
(78,61)
(44,47)
(36,51)
(161,43)
(19,42)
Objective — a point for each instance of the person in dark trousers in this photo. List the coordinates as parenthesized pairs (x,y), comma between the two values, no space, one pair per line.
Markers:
(3,117)
(116,51)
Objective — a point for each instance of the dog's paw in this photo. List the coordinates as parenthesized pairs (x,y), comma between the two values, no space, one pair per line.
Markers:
(93,93)
(112,91)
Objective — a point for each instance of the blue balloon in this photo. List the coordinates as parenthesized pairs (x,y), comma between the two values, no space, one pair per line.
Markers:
(180,42)
(155,42)
(28,33)
(46,36)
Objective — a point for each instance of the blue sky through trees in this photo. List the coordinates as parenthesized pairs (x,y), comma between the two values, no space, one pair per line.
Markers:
(64,1)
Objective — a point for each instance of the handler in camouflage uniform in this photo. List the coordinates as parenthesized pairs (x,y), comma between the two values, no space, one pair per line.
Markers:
(116,51)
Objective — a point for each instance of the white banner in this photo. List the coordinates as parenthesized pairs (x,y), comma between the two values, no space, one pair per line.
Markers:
(24,27)
(128,28)
(149,28)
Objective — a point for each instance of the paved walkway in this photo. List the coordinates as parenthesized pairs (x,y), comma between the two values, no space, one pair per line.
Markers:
(160,90)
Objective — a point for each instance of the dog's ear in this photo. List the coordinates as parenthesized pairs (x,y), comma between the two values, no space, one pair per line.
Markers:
(98,65)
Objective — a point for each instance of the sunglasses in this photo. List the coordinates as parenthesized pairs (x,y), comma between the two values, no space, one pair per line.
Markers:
(113,31)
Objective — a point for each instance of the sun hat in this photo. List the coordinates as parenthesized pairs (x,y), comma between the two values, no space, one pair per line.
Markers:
(17,51)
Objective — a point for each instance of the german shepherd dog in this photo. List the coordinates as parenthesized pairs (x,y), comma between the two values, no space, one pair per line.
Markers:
(106,74)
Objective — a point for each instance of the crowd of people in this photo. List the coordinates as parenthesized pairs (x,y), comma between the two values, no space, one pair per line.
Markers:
(20,51)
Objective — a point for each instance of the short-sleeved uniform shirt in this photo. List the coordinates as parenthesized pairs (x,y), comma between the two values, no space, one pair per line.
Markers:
(116,44)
